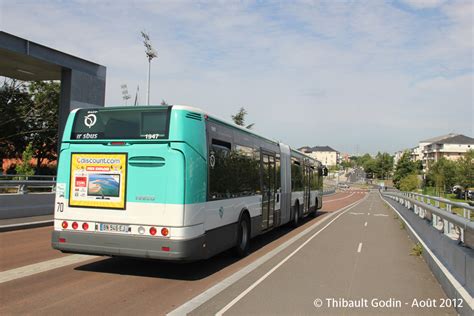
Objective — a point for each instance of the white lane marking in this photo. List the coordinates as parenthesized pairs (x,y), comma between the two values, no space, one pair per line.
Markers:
(346,197)
(368,213)
(202,298)
(380,215)
(353,213)
(461,290)
(360,247)
(365,224)
(250,288)
(44,266)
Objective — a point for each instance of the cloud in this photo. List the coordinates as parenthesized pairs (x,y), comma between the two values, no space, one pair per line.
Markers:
(424,4)
(369,73)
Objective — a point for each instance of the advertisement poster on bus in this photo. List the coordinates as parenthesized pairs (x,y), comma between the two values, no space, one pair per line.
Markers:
(98,180)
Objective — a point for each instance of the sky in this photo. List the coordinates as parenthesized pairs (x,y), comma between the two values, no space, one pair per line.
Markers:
(359,76)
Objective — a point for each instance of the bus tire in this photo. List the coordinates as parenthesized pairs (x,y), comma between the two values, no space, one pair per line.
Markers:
(243,236)
(295,222)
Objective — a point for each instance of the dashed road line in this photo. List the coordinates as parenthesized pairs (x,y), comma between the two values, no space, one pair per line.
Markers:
(365,224)
(251,287)
(359,249)
(224,284)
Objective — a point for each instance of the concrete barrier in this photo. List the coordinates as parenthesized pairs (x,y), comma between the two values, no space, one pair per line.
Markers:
(26,205)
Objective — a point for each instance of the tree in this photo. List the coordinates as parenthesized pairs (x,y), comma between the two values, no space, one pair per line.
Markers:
(409,183)
(15,105)
(465,171)
(442,175)
(367,163)
(25,168)
(31,117)
(42,121)
(239,118)
(384,165)
(347,164)
(405,167)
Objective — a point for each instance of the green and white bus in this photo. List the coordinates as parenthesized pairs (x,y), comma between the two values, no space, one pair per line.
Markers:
(174,183)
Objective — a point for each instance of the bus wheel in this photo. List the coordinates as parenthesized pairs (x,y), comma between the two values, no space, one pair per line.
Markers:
(243,236)
(314,212)
(296,215)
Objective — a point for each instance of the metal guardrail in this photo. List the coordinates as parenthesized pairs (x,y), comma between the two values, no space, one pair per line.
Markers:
(452,225)
(22,183)
(467,209)
(329,189)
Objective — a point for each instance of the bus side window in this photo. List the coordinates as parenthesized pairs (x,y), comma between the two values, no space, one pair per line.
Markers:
(218,181)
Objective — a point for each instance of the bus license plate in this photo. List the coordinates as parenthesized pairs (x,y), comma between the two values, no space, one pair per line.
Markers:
(114,228)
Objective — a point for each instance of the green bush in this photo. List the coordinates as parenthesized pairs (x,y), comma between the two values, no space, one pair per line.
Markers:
(409,183)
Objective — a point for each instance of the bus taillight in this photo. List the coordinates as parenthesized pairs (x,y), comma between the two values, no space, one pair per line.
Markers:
(75,225)
(64,225)
(164,231)
(85,226)
(165,248)
(153,231)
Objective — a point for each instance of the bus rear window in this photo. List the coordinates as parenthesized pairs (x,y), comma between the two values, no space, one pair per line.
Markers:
(121,123)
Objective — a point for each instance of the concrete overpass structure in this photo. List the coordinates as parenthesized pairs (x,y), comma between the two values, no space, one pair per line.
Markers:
(82,81)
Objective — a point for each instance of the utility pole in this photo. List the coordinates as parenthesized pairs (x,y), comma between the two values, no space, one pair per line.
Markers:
(150,54)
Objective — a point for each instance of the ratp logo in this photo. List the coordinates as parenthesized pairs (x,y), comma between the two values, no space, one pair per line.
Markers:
(90,120)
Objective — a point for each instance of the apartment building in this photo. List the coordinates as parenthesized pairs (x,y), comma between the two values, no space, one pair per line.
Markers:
(327,155)
(451,148)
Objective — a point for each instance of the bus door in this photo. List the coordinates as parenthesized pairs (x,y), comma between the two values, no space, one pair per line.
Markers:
(307,188)
(268,181)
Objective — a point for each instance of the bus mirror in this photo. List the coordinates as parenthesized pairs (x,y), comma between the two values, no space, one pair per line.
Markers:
(325,171)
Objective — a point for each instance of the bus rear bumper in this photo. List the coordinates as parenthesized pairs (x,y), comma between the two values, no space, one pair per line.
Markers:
(130,246)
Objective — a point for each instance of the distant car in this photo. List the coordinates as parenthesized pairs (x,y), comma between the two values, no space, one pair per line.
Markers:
(470,194)
(461,194)
(456,189)
(343,186)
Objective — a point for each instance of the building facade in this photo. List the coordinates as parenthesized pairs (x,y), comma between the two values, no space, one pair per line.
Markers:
(327,155)
(450,146)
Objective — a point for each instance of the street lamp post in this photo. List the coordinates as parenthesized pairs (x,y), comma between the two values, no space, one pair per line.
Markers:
(150,54)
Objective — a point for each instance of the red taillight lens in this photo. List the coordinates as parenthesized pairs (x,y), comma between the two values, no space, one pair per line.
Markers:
(85,226)
(153,231)
(165,248)
(164,231)
(62,240)
(64,225)
(75,225)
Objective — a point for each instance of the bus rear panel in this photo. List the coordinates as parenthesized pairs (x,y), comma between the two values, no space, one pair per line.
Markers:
(121,184)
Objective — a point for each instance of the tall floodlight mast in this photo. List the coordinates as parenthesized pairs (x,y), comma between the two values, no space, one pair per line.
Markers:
(125,95)
(150,54)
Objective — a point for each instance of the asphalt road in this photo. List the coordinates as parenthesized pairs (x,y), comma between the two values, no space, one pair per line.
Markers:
(120,285)
(362,258)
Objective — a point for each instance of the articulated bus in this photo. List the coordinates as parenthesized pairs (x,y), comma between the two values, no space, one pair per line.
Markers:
(174,183)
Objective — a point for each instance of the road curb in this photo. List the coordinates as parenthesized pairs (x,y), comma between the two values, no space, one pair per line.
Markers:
(19,226)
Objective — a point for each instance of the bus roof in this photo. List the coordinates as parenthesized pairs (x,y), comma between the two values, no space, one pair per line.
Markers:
(213,117)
